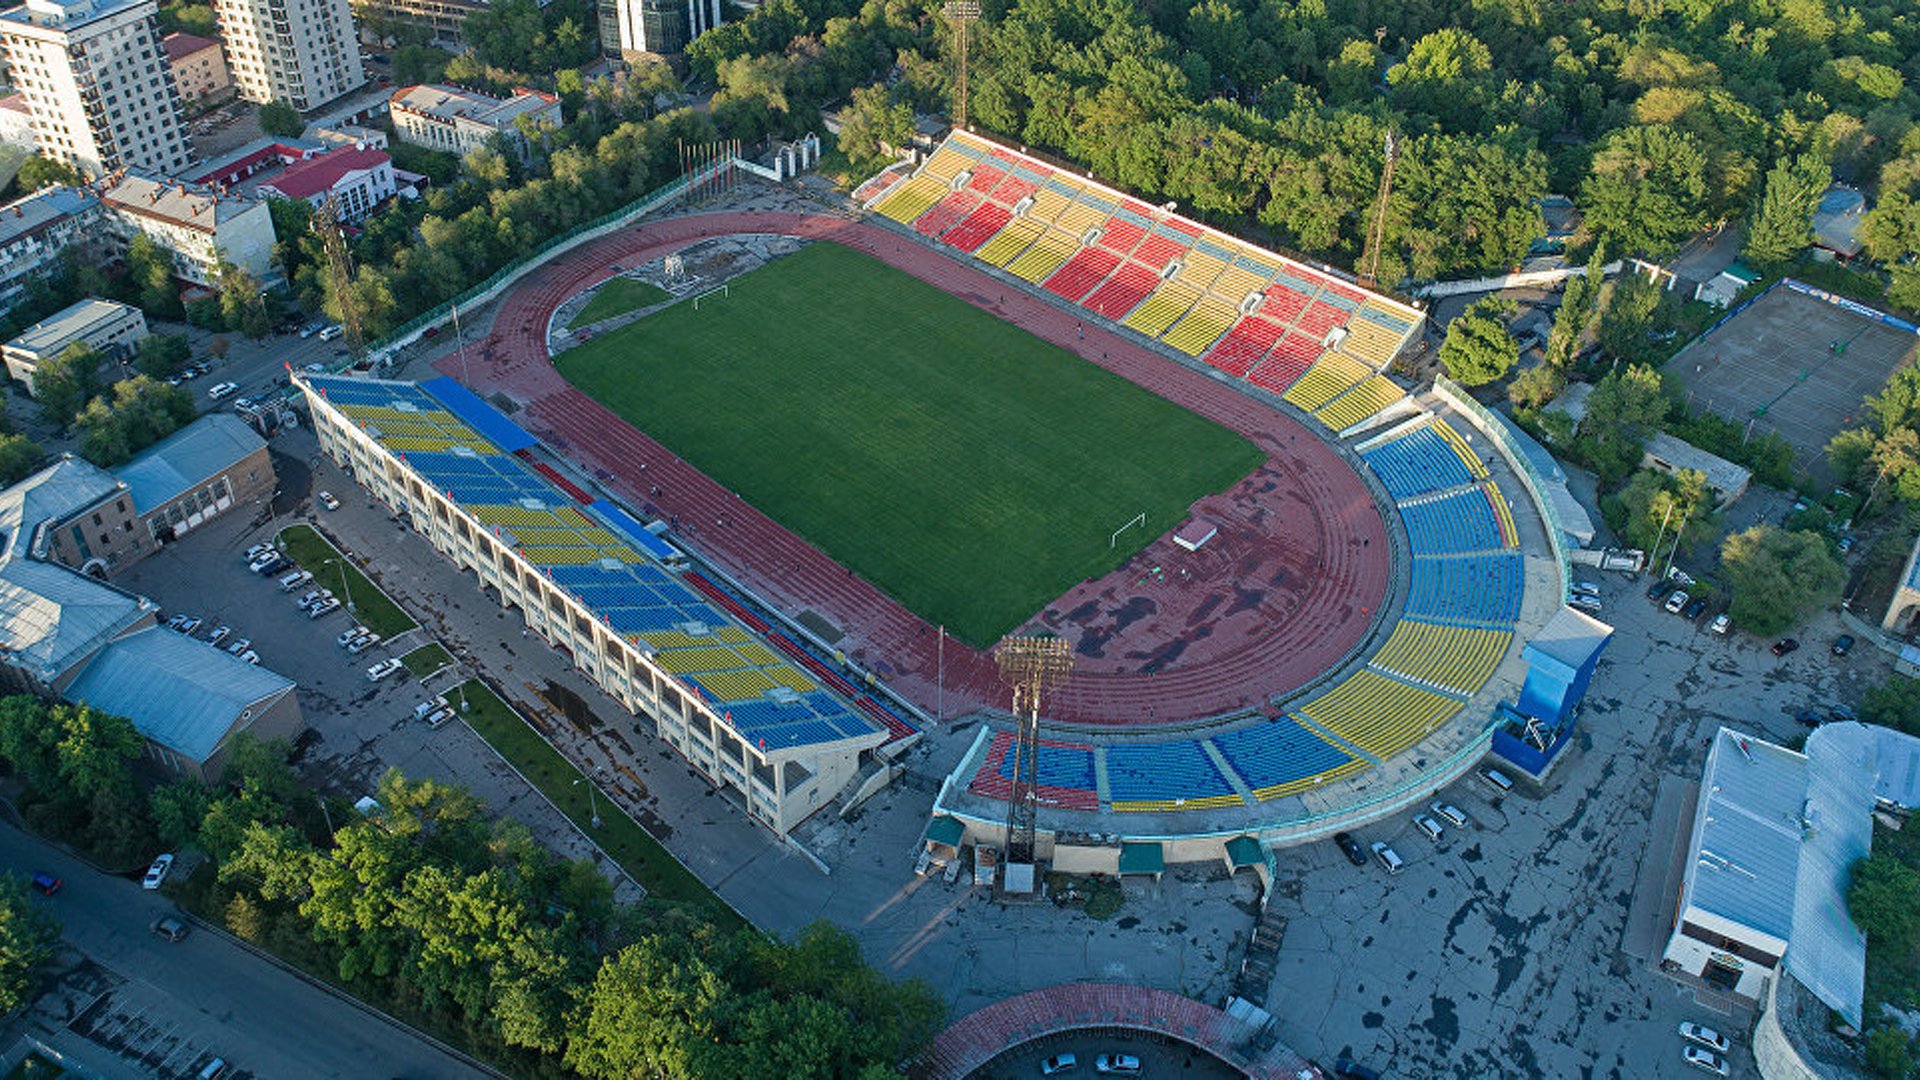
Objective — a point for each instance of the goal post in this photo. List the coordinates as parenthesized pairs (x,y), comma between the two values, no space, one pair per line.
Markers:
(724,292)
(1137,519)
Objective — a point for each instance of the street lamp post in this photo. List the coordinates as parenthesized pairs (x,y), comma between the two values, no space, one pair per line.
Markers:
(592,801)
(346,584)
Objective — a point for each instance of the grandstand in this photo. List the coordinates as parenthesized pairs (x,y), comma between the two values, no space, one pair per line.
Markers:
(747,706)
(1281,325)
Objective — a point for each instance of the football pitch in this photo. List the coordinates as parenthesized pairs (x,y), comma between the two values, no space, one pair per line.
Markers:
(969,469)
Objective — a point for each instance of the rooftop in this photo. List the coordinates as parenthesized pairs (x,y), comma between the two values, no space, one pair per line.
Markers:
(17,102)
(449,103)
(179,691)
(305,179)
(1836,221)
(24,217)
(771,702)
(1722,475)
(180,46)
(185,459)
(67,325)
(175,202)
(1748,830)
(67,14)
(50,616)
(1570,638)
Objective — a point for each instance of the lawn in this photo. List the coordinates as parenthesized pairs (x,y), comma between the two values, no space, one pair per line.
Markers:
(968,468)
(617,297)
(331,570)
(637,852)
(427,659)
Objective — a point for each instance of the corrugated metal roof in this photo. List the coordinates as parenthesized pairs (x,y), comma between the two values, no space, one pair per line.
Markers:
(185,459)
(1828,953)
(1570,638)
(50,616)
(1749,833)
(69,324)
(179,692)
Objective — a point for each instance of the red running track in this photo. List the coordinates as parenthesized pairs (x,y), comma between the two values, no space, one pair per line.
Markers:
(1221,666)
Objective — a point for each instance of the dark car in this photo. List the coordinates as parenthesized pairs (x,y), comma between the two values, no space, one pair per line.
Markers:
(1843,645)
(1695,609)
(1784,646)
(1809,718)
(1351,848)
(1657,591)
(1840,714)
(1348,1067)
(170,927)
(46,883)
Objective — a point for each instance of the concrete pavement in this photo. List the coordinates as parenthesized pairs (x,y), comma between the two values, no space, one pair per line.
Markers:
(162,1009)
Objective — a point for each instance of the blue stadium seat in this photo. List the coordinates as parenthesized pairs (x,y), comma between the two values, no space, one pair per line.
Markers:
(1278,751)
(1451,524)
(1480,589)
(1416,464)
(1163,771)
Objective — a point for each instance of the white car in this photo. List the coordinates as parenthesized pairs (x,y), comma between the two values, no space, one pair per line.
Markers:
(220,634)
(1117,1064)
(1705,1036)
(251,657)
(1721,624)
(327,500)
(346,636)
(157,873)
(438,717)
(240,646)
(364,642)
(1675,602)
(1451,813)
(383,669)
(257,550)
(264,561)
(1057,1064)
(324,607)
(222,391)
(1705,1060)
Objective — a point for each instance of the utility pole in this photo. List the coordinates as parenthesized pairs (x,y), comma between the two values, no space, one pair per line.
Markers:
(961,13)
(1376,235)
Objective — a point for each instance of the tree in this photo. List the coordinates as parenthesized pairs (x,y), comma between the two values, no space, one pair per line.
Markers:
(65,383)
(1479,348)
(1889,1052)
(649,1007)
(1893,455)
(150,275)
(242,304)
(1782,224)
(140,413)
(177,810)
(1646,190)
(1579,306)
(27,937)
(160,355)
(1663,509)
(19,457)
(1894,703)
(1536,386)
(1778,577)
(38,172)
(1624,409)
(873,123)
(277,117)
(1881,899)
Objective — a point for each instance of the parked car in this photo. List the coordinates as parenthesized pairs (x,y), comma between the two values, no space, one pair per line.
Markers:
(1657,590)
(1840,714)
(1117,1064)
(1694,609)
(1389,858)
(251,657)
(1705,1060)
(312,597)
(220,634)
(157,873)
(364,642)
(45,883)
(1584,606)
(1058,1064)
(1721,623)
(260,565)
(1809,718)
(1846,544)
(1677,601)
(327,500)
(1451,813)
(1843,645)
(1353,1070)
(257,550)
(1351,848)
(189,624)
(1705,1036)
(170,927)
(383,669)
(317,368)
(1584,588)
(439,717)
(324,607)
(1428,827)
(346,636)
(240,646)
(1784,646)
(223,390)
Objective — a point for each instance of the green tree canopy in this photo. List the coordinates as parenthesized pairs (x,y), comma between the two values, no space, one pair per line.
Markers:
(1778,577)
(160,355)
(1479,348)
(63,385)
(1883,897)
(1647,189)
(874,120)
(19,457)
(1625,408)
(278,117)
(37,172)
(27,937)
(1782,224)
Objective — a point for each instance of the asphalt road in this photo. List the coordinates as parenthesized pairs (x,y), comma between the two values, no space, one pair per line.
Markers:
(262,1019)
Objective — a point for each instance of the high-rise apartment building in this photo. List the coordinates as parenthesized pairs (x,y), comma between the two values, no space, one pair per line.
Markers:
(96,84)
(303,52)
(661,27)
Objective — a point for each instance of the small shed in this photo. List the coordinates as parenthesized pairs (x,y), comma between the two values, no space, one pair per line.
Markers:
(944,834)
(1142,857)
(1726,480)
(1195,533)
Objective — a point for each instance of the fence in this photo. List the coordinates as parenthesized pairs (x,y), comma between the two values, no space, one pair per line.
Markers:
(417,327)
(1495,428)
(1854,306)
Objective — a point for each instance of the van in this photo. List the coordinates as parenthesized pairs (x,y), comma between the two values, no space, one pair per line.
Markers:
(332,332)
(1497,780)
(1451,813)
(1428,827)
(1388,857)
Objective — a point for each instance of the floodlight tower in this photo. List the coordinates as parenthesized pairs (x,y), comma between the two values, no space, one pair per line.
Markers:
(1377,235)
(961,13)
(1030,666)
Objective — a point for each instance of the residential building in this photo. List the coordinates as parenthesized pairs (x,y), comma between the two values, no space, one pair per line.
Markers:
(457,121)
(443,20)
(16,123)
(357,180)
(615,599)
(663,27)
(66,633)
(34,231)
(107,326)
(267,154)
(303,52)
(198,67)
(202,226)
(1836,221)
(96,84)
(212,465)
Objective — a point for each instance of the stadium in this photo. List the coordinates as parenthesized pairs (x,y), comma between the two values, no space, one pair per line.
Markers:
(1002,399)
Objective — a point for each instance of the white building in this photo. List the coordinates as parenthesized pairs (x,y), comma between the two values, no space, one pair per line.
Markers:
(36,229)
(457,121)
(109,327)
(201,226)
(16,123)
(357,179)
(303,52)
(663,27)
(99,90)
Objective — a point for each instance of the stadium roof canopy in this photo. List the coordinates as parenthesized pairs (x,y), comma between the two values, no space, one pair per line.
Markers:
(769,701)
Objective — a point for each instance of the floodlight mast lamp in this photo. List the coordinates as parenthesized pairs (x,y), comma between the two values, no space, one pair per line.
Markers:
(961,13)
(1030,666)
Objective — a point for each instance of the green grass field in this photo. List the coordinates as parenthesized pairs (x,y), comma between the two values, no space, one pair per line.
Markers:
(370,607)
(965,466)
(617,297)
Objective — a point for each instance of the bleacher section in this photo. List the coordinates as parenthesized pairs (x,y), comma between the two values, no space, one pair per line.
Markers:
(1279,757)
(1459,659)
(1421,462)
(1480,590)
(696,636)
(1165,776)
(1162,275)
(1378,714)
(1064,773)
(1456,523)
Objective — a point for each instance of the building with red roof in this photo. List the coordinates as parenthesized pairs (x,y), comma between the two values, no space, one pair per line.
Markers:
(198,67)
(359,179)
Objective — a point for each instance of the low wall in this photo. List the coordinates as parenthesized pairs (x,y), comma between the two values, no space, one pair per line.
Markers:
(1496,432)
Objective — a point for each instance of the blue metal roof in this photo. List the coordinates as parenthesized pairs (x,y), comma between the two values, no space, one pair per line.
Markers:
(634,531)
(478,415)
